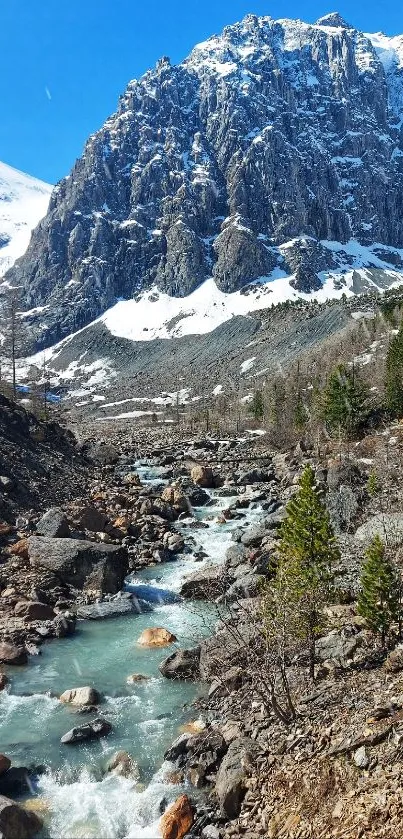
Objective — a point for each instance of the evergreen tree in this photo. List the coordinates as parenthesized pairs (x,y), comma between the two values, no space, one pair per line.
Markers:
(307,551)
(394,375)
(256,406)
(373,484)
(378,602)
(344,401)
(301,414)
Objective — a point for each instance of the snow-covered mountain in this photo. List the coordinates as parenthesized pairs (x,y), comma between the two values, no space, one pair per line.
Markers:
(270,162)
(23,202)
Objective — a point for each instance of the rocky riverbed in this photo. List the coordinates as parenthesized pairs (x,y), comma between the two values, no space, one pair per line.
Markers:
(166,524)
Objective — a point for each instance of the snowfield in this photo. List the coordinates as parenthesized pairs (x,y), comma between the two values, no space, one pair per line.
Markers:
(23,203)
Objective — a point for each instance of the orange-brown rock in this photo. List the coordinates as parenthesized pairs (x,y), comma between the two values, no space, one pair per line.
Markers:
(19,549)
(156,637)
(121,521)
(178,819)
(203,476)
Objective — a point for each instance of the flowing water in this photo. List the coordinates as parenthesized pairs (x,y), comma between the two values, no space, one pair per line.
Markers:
(79,800)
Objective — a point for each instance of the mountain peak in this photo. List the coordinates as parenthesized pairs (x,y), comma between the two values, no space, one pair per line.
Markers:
(246,163)
(333,19)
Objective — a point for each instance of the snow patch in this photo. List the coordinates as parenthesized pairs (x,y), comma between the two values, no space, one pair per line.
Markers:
(23,202)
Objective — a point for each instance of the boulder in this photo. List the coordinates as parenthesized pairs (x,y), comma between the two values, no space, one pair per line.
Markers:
(389,526)
(174,542)
(253,536)
(219,652)
(255,476)
(204,753)
(394,661)
(64,624)
(93,519)
(247,585)
(178,748)
(152,594)
(121,763)
(33,611)
(206,583)
(156,636)
(53,524)
(91,731)
(182,664)
(338,645)
(16,781)
(3,681)
(231,778)
(132,479)
(198,497)
(136,678)
(177,820)
(80,696)
(5,764)
(203,476)
(106,609)
(17,823)
(80,563)
(235,555)
(12,654)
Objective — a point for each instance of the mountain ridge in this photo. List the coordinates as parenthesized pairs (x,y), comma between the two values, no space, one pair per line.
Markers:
(266,156)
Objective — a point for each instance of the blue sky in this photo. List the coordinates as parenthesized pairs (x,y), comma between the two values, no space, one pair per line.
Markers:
(63,63)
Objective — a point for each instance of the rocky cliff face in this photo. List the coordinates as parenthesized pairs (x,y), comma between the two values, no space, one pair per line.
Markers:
(261,155)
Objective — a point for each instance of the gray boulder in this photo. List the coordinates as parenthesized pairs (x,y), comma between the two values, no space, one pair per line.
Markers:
(53,524)
(80,563)
(91,731)
(255,476)
(182,664)
(338,646)
(254,535)
(247,585)
(235,556)
(230,784)
(178,748)
(203,584)
(389,526)
(107,609)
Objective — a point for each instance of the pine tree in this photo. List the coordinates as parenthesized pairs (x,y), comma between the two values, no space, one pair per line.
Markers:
(372,484)
(307,552)
(394,375)
(378,601)
(344,401)
(301,415)
(256,406)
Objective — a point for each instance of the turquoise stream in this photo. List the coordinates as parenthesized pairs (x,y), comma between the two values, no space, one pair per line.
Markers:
(80,800)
